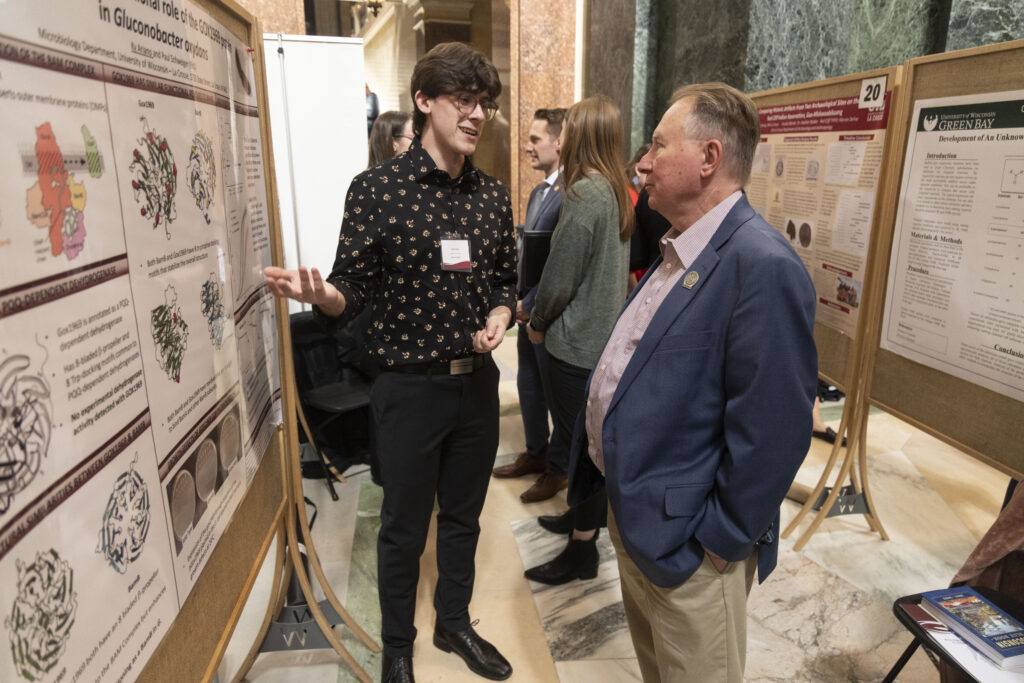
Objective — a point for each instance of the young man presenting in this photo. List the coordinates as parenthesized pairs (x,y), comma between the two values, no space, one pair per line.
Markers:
(428,242)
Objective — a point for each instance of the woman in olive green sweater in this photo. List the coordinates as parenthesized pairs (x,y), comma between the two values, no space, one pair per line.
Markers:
(581,292)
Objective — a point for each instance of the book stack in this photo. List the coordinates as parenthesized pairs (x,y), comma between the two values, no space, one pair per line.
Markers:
(986,627)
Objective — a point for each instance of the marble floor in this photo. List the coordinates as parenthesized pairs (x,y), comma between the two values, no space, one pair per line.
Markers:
(823,615)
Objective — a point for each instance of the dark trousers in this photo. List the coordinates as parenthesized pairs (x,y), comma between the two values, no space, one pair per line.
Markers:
(533,386)
(436,434)
(568,398)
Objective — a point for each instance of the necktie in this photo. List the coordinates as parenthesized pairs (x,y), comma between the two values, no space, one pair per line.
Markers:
(533,208)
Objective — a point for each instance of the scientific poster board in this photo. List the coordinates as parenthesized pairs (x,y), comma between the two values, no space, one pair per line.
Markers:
(817,177)
(138,361)
(951,342)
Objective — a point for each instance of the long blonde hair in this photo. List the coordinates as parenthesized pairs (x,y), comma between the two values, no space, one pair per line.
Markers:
(593,142)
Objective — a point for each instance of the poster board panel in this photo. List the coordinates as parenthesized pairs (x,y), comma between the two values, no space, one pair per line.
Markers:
(981,421)
(141,219)
(209,615)
(196,641)
(819,172)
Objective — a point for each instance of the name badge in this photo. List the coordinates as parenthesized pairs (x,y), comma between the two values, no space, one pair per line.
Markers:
(455,255)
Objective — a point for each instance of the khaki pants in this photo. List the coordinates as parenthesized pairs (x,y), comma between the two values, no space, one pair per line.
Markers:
(696,631)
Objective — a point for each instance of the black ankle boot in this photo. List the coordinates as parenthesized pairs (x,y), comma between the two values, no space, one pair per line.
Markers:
(558,524)
(578,561)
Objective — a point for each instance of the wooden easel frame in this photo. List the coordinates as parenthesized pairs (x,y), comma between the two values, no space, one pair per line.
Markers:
(982,423)
(840,357)
(296,524)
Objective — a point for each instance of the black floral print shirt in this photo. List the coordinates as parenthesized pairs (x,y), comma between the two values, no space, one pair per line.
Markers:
(389,257)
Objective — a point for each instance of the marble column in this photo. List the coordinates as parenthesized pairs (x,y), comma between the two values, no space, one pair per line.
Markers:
(489,33)
(981,22)
(700,41)
(542,54)
(608,65)
(645,50)
(284,16)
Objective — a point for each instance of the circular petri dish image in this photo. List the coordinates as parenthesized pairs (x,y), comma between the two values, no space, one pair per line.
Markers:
(805,235)
(206,469)
(812,169)
(183,502)
(230,441)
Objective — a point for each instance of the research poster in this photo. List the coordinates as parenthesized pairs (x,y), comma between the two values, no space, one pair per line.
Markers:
(815,179)
(138,372)
(954,301)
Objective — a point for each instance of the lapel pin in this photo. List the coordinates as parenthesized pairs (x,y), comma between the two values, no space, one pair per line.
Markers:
(690,279)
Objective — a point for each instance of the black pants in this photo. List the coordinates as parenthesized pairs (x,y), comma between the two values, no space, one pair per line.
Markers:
(568,398)
(436,434)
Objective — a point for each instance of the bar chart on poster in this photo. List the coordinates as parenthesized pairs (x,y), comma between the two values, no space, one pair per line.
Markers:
(139,383)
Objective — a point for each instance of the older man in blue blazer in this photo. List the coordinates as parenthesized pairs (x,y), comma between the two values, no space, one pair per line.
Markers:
(699,409)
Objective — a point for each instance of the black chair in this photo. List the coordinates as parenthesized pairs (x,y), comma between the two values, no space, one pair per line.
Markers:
(329,389)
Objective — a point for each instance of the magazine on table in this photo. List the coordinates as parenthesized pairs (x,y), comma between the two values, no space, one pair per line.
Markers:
(981,623)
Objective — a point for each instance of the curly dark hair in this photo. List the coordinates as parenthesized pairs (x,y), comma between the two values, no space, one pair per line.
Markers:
(450,68)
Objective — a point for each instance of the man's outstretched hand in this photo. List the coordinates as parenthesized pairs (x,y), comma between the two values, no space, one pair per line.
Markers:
(305,285)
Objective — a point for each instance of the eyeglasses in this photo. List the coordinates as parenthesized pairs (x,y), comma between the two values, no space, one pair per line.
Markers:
(466,104)
(407,137)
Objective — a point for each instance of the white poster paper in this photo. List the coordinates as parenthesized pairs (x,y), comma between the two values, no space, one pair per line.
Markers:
(955,301)
(133,228)
(814,178)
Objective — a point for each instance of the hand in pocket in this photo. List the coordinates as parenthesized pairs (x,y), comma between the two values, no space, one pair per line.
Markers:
(717,562)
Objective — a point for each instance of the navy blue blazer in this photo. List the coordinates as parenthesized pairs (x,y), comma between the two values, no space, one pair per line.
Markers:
(712,416)
(545,221)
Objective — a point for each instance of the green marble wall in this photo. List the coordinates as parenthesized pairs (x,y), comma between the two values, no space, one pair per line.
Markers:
(645,45)
(797,41)
(762,44)
(982,22)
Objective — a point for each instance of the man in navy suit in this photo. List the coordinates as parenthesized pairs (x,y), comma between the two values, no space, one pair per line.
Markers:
(699,409)
(543,151)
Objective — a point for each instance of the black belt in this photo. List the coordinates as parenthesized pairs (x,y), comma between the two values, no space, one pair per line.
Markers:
(459,366)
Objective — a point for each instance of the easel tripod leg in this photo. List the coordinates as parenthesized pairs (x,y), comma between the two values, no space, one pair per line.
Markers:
(273,606)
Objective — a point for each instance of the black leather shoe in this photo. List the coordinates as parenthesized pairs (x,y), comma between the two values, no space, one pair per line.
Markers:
(481,657)
(398,670)
(578,561)
(828,436)
(558,524)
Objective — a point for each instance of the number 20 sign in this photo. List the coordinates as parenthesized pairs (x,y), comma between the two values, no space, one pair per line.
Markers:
(872,93)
